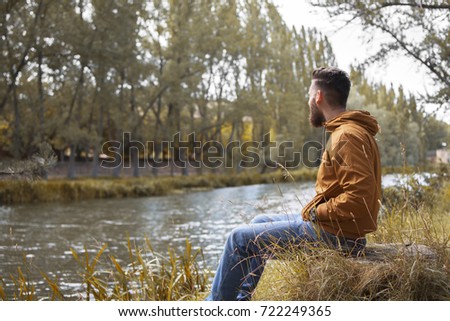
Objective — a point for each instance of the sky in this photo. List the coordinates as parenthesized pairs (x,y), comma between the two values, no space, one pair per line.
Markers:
(349,47)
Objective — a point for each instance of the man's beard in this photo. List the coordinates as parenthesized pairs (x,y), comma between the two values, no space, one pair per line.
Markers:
(316,117)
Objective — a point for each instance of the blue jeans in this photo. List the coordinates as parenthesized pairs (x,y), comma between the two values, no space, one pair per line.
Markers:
(249,246)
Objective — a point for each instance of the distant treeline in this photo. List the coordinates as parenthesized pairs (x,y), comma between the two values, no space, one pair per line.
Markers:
(76,74)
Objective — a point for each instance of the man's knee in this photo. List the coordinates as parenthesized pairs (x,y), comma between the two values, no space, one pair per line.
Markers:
(240,237)
(260,219)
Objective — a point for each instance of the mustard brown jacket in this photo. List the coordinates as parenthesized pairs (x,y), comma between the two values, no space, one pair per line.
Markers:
(348,186)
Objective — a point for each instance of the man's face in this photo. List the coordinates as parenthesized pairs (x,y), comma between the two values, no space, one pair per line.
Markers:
(316,117)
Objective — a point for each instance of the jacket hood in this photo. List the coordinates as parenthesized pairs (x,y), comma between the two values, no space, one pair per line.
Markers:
(359,117)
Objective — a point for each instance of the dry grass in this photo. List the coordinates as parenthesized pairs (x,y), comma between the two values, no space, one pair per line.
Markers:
(147,276)
(323,274)
(327,275)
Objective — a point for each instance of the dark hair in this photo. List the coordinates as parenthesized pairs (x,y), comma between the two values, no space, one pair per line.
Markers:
(335,83)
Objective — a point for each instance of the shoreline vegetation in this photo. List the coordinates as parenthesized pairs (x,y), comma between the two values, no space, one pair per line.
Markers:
(64,190)
(412,214)
(19,191)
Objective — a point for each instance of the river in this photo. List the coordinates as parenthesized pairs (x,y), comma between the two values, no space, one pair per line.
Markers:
(44,233)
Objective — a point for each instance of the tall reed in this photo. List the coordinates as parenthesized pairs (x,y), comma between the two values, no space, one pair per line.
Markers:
(147,276)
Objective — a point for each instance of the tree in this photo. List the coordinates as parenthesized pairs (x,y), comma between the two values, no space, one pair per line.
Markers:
(77,73)
(417,29)
(407,131)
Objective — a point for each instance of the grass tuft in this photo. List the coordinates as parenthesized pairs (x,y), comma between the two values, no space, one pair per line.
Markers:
(413,215)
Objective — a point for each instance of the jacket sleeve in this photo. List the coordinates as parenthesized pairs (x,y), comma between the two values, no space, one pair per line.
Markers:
(353,165)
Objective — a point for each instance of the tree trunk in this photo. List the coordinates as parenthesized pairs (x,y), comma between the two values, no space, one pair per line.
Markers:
(23,61)
(118,164)
(71,172)
(99,127)
(135,161)
(41,96)
(157,149)
(17,124)
(95,163)
(184,162)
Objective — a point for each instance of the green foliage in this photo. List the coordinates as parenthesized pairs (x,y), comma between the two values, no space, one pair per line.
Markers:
(86,72)
(77,74)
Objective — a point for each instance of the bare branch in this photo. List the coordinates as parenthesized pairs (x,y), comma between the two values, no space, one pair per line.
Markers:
(420,5)
(426,62)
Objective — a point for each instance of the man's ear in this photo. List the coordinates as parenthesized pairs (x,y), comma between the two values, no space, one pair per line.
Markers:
(319,97)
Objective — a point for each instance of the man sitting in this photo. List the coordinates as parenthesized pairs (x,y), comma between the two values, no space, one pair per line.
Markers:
(346,204)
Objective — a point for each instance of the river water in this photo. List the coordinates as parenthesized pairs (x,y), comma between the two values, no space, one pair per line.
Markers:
(44,233)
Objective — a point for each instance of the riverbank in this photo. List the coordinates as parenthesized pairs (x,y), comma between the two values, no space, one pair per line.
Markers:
(296,275)
(20,191)
(318,274)
(63,190)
